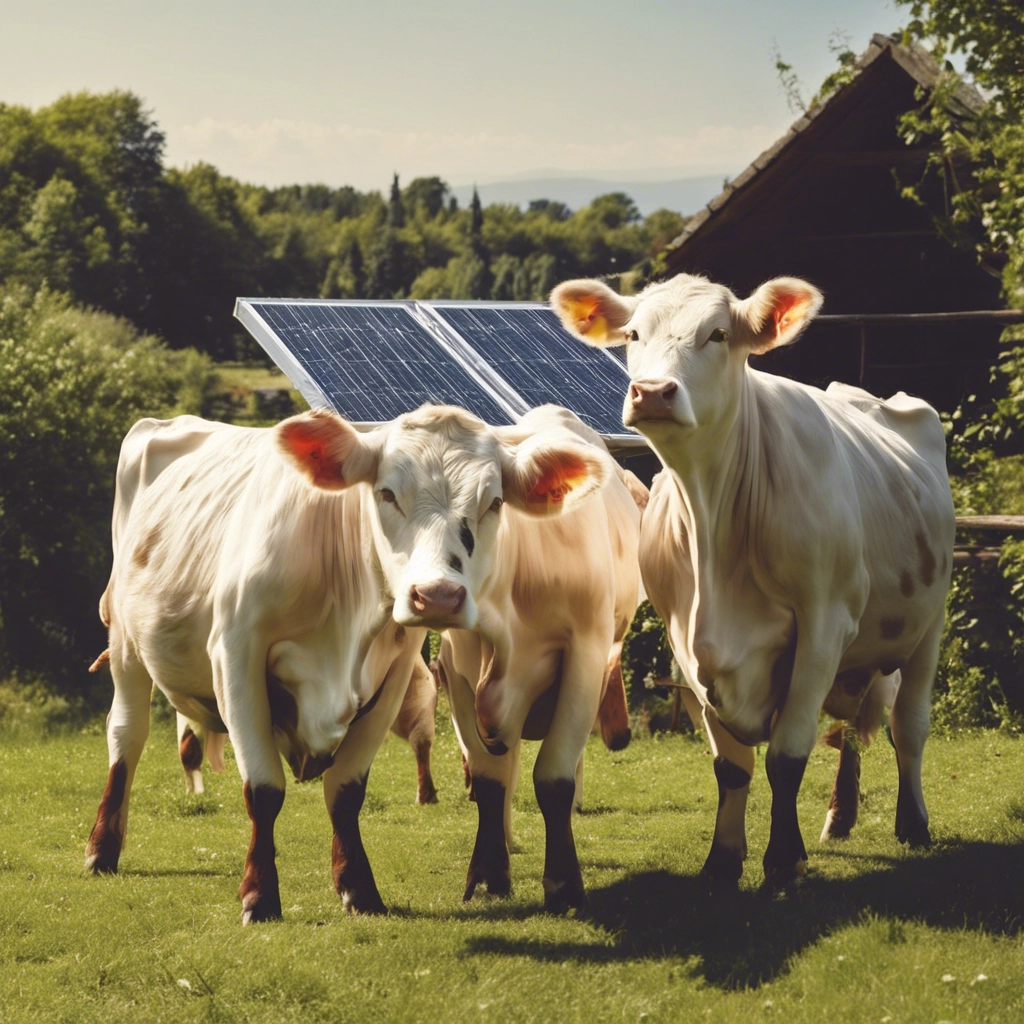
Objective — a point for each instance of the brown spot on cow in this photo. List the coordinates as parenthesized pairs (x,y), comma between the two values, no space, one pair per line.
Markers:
(191,751)
(144,549)
(891,627)
(399,634)
(103,850)
(926,566)
(259,892)
(907,583)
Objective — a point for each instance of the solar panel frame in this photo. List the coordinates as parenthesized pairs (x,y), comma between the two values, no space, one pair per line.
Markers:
(428,316)
(454,383)
(609,425)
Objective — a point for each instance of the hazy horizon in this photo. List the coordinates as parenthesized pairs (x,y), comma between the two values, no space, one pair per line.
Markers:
(348,94)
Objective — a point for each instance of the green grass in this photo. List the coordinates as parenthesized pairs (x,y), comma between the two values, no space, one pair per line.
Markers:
(869,936)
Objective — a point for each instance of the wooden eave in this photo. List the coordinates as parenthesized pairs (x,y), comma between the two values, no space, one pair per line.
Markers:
(797,146)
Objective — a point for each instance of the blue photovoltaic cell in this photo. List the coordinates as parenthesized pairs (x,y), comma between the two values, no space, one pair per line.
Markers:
(373,363)
(530,349)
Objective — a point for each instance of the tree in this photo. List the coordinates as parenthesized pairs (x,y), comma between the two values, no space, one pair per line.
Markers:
(71,383)
(426,194)
(396,210)
(989,34)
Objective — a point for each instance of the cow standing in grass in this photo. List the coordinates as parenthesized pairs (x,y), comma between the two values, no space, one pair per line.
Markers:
(539,653)
(276,584)
(798,543)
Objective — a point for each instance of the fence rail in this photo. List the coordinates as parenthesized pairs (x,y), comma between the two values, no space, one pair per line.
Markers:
(978,553)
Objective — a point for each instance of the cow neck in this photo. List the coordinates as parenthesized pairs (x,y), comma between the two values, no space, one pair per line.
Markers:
(715,471)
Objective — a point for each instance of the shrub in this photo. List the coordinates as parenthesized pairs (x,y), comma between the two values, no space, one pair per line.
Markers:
(72,381)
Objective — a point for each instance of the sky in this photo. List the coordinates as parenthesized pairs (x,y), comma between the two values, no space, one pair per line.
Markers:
(348,93)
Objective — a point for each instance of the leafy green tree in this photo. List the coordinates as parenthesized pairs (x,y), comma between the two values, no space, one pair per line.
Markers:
(428,195)
(71,383)
(988,206)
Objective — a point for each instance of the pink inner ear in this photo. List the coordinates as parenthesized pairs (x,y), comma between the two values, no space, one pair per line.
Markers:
(308,443)
(557,478)
(790,309)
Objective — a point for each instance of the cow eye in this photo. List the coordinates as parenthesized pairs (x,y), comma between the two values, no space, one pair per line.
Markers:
(495,505)
(387,495)
(632,336)
(719,334)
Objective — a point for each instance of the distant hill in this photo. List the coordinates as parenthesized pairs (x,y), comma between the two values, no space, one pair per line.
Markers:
(684,195)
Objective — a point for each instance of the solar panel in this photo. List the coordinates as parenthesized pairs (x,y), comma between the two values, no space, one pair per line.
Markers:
(369,362)
(372,361)
(527,347)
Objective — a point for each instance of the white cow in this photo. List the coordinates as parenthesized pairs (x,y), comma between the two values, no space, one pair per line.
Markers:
(414,723)
(276,584)
(798,543)
(536,663)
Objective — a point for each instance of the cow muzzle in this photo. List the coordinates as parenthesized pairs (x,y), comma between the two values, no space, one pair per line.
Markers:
(437,604)
(650,400)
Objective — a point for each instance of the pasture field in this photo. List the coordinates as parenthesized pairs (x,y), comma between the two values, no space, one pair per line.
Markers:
(875,933)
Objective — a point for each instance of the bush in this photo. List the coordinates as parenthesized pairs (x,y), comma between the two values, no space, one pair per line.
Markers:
(72,381)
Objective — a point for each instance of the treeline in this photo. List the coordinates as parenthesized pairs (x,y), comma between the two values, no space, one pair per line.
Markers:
(88,207)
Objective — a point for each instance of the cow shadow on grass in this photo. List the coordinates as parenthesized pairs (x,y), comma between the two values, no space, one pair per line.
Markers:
(740,938)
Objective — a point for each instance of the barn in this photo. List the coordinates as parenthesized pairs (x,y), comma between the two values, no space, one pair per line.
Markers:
(824,203)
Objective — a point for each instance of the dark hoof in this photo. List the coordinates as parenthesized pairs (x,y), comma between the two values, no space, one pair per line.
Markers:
(837,826)
(427,796)
(498,882)
(102,855)
(371,906)
(619,741)
(915,835)
(911,825)
(724,866)
(783,876)
(561,897)
(257,908)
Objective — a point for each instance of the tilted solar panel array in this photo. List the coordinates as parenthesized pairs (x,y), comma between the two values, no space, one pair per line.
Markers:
(529,348)
(371,361)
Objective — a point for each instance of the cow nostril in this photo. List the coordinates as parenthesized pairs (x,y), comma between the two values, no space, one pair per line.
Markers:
(670,391)
(459,598)
(635,394)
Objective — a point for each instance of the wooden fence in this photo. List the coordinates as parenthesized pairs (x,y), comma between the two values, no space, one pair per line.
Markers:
(983,531)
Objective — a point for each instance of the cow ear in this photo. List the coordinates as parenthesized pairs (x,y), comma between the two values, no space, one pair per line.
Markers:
(592,311)
(328,450)
(544,479)
(775,314)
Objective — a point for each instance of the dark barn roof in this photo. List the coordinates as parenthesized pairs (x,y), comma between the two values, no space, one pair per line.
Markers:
(824,203)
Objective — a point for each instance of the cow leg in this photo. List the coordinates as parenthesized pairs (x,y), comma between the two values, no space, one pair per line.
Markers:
(734,767)
(492,779)
(426,791)
(909,722)
(815,664)
(554,774)
(613,712)
(844,804)
(239,679)
(345,789)
(577,802)
(127,730)
(191,744)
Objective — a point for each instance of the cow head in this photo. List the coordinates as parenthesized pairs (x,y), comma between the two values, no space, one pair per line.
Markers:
(440,477)
(687,342)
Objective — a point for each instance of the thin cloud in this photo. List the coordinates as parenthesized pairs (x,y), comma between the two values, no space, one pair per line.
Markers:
(283,150)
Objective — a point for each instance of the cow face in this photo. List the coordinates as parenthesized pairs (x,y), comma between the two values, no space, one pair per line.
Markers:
(439,478)
(686,341)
